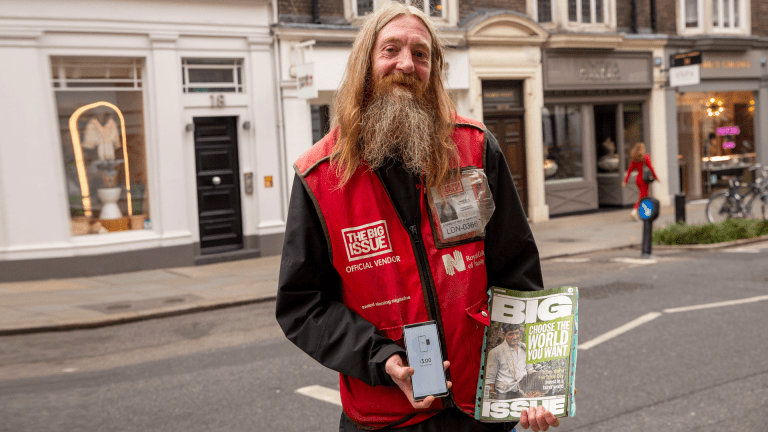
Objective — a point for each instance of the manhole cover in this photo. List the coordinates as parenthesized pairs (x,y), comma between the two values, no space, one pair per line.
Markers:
(602,291)
(119,306)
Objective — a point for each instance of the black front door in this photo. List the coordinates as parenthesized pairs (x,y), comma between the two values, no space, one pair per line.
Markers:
(218,186)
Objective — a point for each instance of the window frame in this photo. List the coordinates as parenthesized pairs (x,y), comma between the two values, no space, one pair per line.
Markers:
(560,16)
(706,18)
(449,16)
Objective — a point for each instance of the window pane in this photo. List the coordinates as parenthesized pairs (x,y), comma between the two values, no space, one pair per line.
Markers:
(736,12)
(599,13)
(435,8)
(633,130)
(321,121)
(211,76)
(105,161)
(545,11)
(692,13)
(715,13)
(586,16)
(562,142)
(364,7)
(726,13)
(572,8)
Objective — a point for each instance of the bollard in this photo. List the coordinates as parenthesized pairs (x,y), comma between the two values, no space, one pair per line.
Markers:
(648,212)
(680,208)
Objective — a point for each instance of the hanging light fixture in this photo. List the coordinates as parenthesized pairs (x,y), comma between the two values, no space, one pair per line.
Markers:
(714,107)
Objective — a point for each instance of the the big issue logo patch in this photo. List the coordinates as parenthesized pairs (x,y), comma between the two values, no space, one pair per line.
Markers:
(367,240)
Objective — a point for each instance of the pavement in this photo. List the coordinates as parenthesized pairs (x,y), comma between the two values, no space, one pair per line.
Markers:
(64,304)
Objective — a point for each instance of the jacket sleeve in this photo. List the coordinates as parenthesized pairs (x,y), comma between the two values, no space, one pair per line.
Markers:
(511,255)
(309,306)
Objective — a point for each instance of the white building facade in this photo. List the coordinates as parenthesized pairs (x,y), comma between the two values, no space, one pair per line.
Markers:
(138,135)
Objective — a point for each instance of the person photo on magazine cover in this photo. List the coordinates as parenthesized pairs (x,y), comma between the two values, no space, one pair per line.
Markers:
(506,364)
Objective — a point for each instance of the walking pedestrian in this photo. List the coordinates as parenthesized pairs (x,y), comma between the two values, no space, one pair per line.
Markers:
(640,159)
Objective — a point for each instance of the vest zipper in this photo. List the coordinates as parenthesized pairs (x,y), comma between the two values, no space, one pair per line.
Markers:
(432,309)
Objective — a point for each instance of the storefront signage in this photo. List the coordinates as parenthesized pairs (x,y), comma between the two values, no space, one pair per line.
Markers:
(594,72)
(728,130)
(721,65)
(305,81)
(684,75)
(685,59)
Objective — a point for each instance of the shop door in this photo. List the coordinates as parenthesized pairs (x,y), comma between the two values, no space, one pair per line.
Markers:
(508,130)
(218,187)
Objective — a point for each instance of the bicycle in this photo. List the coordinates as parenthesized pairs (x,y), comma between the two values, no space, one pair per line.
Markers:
(732,203)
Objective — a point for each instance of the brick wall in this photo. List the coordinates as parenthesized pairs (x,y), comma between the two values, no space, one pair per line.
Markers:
(666,16)
(471,8)
(759,14)
(301,10)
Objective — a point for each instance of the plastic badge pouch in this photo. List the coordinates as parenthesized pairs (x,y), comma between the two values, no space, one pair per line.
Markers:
(461,209)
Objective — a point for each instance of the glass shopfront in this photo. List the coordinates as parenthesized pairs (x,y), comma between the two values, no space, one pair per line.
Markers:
(563,147)
(716,139)
(100,108)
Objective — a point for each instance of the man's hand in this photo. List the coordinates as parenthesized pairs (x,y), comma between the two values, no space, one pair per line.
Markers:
(401,375)
(538,419)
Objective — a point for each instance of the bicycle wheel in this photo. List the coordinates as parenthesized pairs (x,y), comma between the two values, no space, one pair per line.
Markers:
(719,207)
(756,208)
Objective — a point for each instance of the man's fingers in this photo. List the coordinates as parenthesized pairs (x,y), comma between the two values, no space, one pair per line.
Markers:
(524,419)
(551,419)
(532,419)
(446,364)
(450,384)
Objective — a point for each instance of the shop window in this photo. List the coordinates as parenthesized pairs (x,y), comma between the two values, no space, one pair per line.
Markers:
(633,131)
(100,108)
(727,16)
(716,138)
(321,121)
(212,75)
(437,9)
(563,145)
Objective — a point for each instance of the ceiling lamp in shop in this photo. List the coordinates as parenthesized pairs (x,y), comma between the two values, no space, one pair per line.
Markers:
(714,107)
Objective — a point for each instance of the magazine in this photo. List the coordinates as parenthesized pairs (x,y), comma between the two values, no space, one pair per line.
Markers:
(529,354)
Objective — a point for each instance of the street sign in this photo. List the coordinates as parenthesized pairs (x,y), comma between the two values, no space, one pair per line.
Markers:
(684,75)
(685,59)
(649,209)
(305,81)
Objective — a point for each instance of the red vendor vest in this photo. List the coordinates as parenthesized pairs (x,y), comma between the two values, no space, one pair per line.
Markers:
(392,276)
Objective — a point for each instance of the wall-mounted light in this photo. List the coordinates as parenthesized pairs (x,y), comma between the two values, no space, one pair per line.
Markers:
(246,125)
(762,61)
(189,127)
(657,61)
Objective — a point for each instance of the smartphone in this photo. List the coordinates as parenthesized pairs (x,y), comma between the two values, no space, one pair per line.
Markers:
(422,346)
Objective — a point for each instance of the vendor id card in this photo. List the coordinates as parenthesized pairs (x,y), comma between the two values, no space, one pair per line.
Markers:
(457,209)
(424,356)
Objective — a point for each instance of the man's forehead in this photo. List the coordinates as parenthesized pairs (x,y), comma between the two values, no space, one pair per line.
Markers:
(405,27)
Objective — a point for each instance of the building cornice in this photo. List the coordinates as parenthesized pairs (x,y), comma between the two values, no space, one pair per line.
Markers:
(578,41)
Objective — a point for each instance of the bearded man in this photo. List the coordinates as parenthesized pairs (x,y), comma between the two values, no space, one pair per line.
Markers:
(364,253)
(507,365)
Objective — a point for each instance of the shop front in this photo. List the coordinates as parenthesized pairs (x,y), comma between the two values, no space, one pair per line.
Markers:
(596,108)
(718,122)
(130,149)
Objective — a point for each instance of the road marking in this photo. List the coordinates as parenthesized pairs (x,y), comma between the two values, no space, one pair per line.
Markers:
(626,260)
(69,370)
(571,260)
(653,315)
(321,393)
(744,250)
(719,304)
(620,330)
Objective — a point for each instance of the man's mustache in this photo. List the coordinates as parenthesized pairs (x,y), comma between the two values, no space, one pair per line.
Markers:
(407,80)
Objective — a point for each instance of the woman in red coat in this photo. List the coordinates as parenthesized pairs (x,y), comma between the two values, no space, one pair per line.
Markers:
(639,158)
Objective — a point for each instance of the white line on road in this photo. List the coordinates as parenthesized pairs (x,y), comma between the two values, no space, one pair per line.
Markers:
(321,393)
(744,250)
(626,260)
(719,304)
(620,330)
(571,260)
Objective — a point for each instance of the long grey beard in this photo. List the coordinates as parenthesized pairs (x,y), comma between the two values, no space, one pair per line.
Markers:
(397,125)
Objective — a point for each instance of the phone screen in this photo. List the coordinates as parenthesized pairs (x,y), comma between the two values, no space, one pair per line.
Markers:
(423,349)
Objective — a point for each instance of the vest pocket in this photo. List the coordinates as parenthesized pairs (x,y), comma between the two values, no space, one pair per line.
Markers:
(478,317)
(394,333)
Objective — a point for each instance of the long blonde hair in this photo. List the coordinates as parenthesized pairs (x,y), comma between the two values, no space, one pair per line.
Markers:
(357,87)
(638,152)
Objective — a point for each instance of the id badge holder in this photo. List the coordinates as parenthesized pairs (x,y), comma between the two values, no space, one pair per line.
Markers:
(460,209)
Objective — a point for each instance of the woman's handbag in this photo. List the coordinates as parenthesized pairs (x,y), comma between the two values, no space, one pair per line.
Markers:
(648,177)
